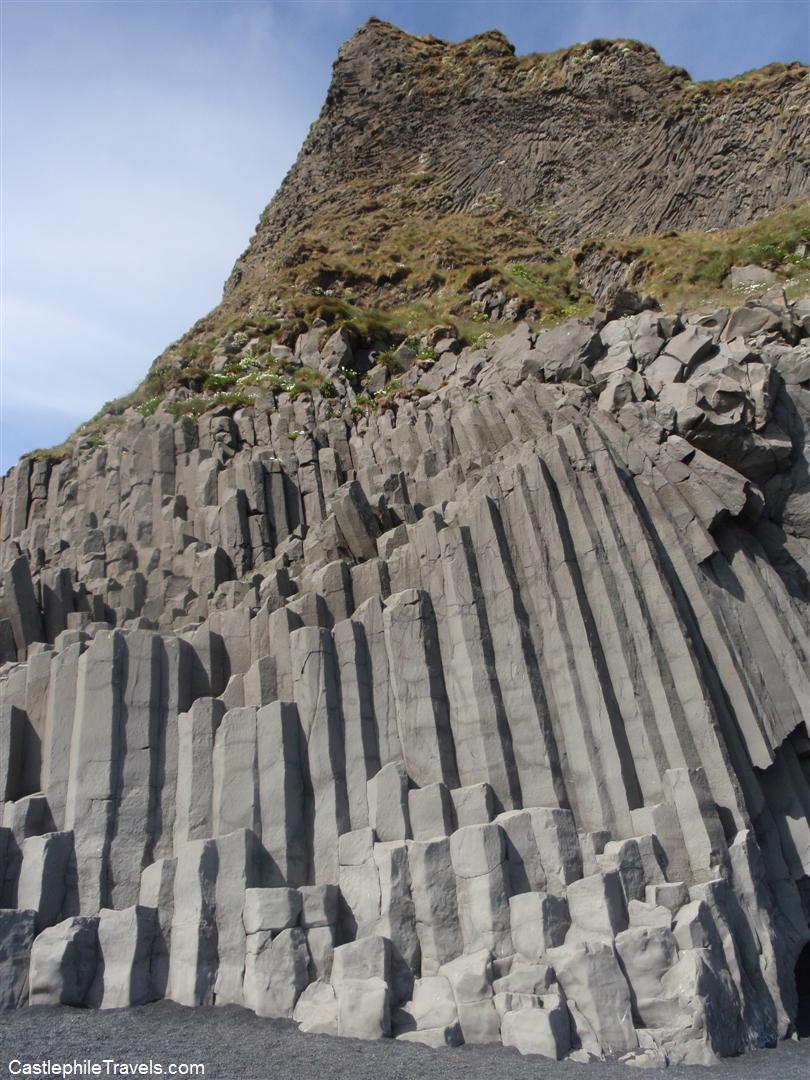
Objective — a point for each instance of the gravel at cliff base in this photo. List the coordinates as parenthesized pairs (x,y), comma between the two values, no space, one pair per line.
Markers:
(234,1044)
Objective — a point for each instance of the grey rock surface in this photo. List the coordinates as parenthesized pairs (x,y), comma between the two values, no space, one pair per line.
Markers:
(17,929)
(481,719)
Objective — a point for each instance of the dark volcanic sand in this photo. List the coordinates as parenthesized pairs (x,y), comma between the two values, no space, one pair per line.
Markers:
(232,1043)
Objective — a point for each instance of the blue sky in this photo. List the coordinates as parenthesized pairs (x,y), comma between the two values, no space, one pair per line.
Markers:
(142,139)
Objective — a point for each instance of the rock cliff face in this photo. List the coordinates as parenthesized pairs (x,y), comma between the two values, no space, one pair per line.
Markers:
(546,149)
(470,710)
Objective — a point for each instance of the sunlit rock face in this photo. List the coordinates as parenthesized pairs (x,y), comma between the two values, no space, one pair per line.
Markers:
(468,709)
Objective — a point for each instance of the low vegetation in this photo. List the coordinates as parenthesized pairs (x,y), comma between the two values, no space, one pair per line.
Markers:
(693,267)
(447,259)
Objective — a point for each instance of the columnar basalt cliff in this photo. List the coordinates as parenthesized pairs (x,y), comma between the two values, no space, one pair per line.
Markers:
(600,139)
(455,694)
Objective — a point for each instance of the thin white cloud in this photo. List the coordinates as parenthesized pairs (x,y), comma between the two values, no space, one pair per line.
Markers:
(56,347)
(136,165)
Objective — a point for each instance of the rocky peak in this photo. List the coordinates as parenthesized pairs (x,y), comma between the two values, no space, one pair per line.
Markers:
(544,150)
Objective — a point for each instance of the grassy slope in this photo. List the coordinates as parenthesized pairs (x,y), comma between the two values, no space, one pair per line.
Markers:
(681,270)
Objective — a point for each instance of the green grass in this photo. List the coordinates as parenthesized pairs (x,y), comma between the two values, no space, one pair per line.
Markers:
(694,267)
(446,258)
(148,408)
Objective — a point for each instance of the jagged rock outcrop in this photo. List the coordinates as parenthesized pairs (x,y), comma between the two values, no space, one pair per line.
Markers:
(551,147)
(479,717)
(461,701)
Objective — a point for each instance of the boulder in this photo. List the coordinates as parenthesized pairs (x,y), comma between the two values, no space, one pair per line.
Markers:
(316,1009)
(663,372)
(276,971)
(560,354)
(368,958)
(543,1031)
(590,975)
(646,954)
(746,277)
(431,811)
(622,387)
(526,873)
(271,909)
(388,803)
(64,959)
(670,894)
(363,1009)
(750,320)
(482,883)
(470,978)
(640,913)
(525,978)
(434,1037)
(597,906)
(689,347)
(477,850)
(538,922)
(432,1006)
(47,881)
(473,804)
(435,898)
(336,353)
(319,905)
(125,941)
(558,845)
(17,929)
